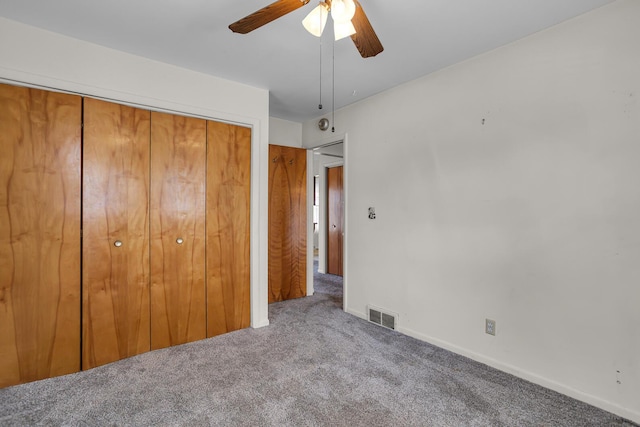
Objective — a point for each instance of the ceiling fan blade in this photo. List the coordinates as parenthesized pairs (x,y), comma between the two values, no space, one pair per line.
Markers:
(365,38)
(265,15)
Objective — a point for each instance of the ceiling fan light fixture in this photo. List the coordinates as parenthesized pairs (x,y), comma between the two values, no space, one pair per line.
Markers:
(366,42)
(316,20)
(343,29)
(342,10)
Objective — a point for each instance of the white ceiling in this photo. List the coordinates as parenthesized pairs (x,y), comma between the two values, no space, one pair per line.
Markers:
(419,37)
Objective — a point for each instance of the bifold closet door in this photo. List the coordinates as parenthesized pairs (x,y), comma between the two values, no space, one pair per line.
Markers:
(115,218)
(177,208)
(287,223)
(228,227)
(40,150)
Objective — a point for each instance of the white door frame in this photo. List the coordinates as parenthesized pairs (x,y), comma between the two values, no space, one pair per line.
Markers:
(322,225)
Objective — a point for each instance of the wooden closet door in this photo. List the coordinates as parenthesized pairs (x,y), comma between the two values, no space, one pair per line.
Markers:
(287,223)
(115,232)
(39,234)
(178,176)
(335,209)
(228,227)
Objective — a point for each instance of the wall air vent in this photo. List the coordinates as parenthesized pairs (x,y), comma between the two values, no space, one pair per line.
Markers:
(381,317)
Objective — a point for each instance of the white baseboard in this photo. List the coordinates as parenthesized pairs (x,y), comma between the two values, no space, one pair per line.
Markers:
(260,324)
(357,313)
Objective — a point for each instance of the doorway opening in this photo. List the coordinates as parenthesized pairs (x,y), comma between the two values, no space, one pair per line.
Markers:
(328,219)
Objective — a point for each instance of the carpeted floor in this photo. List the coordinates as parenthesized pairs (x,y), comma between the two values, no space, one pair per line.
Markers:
(313,366)
(327,284)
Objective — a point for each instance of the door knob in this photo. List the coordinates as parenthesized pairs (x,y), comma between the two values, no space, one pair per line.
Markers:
(179,240)
(117,243)
(334,226)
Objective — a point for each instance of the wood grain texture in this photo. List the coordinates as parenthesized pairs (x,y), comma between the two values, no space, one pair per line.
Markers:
(228,227)
(115,207)
(287,223)
(177,209)
(265,15)
(335,229)
(39,234)
(365,38)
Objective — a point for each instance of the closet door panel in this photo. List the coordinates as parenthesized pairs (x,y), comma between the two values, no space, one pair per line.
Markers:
(39,234)
(177,208)
(287,223)
(115,232)
(228,227)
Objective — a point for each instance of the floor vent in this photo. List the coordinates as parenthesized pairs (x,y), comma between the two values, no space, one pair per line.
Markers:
(382,318)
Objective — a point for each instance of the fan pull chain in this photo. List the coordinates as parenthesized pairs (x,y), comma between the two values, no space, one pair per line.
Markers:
(333,84)
(320,103)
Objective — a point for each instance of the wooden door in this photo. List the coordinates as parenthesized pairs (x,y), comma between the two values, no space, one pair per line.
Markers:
(40,150)
(115,256)
(228,227)
(177,211)
(287,223)
(335,222)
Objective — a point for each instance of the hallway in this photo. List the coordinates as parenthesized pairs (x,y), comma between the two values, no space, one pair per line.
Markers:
(328,284)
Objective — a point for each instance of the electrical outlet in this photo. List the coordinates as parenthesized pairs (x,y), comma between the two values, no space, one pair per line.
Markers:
(490,326)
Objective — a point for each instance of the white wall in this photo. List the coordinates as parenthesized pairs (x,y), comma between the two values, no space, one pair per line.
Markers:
(285,132)
(35,57)
(508,187)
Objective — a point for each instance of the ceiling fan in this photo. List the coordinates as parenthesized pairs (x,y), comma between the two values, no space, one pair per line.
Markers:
(348,16)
